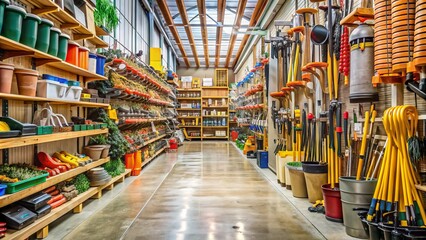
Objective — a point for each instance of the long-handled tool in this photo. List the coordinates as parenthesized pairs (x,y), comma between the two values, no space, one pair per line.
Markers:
(363,146)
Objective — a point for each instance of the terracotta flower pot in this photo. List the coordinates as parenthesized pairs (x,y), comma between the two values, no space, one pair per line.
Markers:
(94,151)
(6,75)
(27,81)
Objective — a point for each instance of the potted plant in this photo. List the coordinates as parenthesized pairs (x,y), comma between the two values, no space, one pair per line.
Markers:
(100,141)
(106,16)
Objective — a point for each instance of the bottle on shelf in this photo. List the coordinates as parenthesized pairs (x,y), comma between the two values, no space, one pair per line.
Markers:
(223,121)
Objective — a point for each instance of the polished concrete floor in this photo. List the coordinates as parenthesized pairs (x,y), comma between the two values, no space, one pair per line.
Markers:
(205,191)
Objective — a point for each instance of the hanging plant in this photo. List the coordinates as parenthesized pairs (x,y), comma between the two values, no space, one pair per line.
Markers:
(106,15)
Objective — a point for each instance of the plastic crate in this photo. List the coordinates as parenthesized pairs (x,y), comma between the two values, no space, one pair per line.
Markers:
(83,127)
(262,159)
(90,127)
(76,127)
(104,125)
(43,130)
(24,184)
(2,189)
(25,128)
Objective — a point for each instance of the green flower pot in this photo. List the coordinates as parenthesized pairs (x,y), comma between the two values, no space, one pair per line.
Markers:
(43,35)
(54,41)
(63,46)
(29,30)
(3,4)
(12,22)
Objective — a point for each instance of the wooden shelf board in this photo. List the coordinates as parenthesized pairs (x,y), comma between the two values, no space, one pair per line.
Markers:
(60,211)
(217,107)
(232,110)
(216,116)
(188,98)
(206,97)
(193,137)
(38,139)
(153,157)
(152,140)
(14,49)
(421,188)
(98,42)
(189,117)
(217,87)
(189,89)
(184,126)
(215,126)
(11,198)
(76,70)
(100,31)
(189,109)
(51,100)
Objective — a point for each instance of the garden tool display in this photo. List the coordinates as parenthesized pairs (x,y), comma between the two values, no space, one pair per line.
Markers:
(308,14)
(361,60)
(362,153)
(396,200)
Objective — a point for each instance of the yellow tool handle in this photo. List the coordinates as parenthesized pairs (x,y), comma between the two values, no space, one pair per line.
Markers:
(329,77)
(346,80)
(363,146)
(336,76)
(296,63)
(373,116)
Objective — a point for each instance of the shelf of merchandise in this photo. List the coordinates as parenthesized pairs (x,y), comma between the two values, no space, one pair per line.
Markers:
(216,116)
(11,198)
(52,100)
(216,87)
(189,117)
(193,137)
(153,157)
(188,89)
(189,126)
(188,98)
(216,107)
(188,109)
(226,137)
(152,140)
(42,223)
(215,126)
(15,49)
(38,139)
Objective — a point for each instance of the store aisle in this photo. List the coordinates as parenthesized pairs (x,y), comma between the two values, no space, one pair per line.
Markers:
(211,192)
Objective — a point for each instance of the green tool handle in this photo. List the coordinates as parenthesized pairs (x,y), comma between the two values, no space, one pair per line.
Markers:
(345,128)
(339,129)
(331,127)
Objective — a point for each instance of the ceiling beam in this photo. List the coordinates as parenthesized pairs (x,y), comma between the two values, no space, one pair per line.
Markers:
(202,13)
(257,12)
(221,4)
(235,12)
(169,21)
(237,23)
(184,16)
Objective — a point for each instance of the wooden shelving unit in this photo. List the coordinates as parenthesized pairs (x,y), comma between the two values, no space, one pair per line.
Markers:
(38,139)
(11,198)
(153,157)
(52,101)
(40,226)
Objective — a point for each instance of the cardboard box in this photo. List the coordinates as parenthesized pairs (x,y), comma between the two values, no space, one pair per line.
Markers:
(207,82)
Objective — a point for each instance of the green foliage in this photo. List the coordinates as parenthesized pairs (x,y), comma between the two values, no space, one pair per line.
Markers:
(119,145)
(106,15)
(81,183)
(20,171)
(98,140)
(114,167)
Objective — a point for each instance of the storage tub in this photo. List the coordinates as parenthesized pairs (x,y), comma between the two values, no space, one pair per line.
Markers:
(83,57)
(63,46)
(54,41)
(3,4)
(100,62)
(72,53)
(43,35)
(29,30)
(74,91)
(51,89)
(92,63)
(2,189)
(12,22)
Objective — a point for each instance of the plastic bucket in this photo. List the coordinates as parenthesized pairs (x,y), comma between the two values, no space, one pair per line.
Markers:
(63,46)
(137,167)
(27,81)
(284,157)
(72,53)
(6,76)
(319,35)
(29,30)
(100,64)
(298,184)
(355,194)
(12,22)
(83,57)
(54,41)
(3,4)
(92,63)
(129,160)
(43,35)
(315,177)
(332,203)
